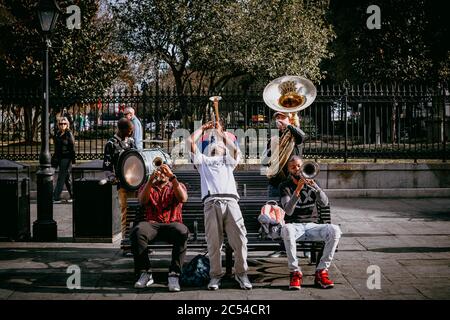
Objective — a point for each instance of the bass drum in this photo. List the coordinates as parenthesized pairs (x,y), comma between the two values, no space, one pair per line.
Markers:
(135,166)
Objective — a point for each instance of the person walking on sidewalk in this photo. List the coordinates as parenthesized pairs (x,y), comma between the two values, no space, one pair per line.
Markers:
(220,199)
(298,198)
(162,198)
(63,159)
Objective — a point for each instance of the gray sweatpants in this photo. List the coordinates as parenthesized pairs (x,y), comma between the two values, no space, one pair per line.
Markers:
(224,214)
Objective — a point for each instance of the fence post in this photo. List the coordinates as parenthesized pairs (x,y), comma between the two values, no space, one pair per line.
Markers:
(444,132)
(346,86)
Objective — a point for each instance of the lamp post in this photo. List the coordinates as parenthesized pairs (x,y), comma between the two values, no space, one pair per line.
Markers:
(44,228)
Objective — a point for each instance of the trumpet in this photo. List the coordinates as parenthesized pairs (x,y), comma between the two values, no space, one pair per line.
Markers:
(157,163)
(215,100)
(309,170)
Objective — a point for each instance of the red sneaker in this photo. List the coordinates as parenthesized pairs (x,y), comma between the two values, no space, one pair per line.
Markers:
(323,280)
(296,280)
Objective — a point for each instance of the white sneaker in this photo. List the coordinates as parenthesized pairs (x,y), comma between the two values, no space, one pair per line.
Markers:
(243,281)
(145,280)
(214,284)
(173,284)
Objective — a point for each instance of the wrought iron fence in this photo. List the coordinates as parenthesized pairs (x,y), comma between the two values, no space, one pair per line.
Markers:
(345,121)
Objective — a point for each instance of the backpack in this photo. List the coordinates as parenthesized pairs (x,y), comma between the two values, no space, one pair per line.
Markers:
(196,272)
(271,219)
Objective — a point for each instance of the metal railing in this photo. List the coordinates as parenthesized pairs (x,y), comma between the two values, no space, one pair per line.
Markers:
(345,121)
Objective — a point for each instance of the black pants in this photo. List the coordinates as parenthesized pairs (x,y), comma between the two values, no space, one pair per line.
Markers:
(174,233)
(64,177)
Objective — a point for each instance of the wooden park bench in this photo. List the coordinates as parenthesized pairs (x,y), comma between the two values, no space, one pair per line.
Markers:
(250,206)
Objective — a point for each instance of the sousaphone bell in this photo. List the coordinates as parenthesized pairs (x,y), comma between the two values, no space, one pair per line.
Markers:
(289,94)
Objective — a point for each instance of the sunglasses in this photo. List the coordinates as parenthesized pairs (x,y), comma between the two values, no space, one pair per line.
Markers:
(63,124)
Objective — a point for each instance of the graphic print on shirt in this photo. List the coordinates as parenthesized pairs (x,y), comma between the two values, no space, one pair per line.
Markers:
(307,198)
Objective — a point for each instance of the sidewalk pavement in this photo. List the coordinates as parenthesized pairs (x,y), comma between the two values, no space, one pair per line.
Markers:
(408,239)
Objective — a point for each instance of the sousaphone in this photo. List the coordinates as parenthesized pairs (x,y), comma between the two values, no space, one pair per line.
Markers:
(288,94)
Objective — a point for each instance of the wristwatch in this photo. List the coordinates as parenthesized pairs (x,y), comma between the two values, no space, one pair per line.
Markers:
(172,177)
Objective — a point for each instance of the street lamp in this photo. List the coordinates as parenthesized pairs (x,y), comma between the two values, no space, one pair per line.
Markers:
(44,228)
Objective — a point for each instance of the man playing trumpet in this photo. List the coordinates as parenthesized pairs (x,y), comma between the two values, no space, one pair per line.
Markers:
(220,198)
(298,198)
(162,198)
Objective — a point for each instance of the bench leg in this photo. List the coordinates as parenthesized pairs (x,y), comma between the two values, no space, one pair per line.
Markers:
(228,260)
(313,256)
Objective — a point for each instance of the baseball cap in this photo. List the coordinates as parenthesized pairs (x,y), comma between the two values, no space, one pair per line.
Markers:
(279,113)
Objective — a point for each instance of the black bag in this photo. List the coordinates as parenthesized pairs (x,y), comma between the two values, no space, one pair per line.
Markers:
(196,272)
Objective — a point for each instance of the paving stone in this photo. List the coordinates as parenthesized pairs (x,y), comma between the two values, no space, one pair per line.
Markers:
(434,291)
(5,294)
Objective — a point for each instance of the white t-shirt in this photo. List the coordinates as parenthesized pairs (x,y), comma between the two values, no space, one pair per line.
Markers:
(216,174)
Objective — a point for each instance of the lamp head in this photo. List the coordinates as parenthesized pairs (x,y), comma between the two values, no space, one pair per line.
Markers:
(48,12)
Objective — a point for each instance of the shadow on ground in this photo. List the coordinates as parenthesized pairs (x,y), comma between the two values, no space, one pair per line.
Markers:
(105,271)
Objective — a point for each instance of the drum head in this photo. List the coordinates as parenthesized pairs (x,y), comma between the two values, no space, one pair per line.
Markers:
(132,170)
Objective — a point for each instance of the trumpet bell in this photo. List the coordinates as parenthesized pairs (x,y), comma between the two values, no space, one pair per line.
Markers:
(310,169)
(289,94)
(157,162)
(215,98)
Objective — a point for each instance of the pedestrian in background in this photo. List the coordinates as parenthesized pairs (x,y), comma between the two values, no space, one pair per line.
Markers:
(63,159)
(137,131)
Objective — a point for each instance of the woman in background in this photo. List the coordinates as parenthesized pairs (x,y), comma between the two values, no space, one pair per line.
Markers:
(63,158)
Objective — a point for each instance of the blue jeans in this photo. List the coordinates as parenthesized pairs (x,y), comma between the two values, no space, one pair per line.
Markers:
(329,233)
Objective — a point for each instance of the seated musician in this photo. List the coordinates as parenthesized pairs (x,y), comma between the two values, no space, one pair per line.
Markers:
(162,198)
(298,198)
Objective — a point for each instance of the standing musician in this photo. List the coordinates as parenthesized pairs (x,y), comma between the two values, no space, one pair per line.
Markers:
(221,208)
(280,148)
(121,141)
